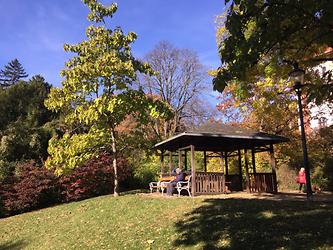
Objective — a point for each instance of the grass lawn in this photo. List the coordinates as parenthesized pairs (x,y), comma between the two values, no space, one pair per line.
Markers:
(142,221)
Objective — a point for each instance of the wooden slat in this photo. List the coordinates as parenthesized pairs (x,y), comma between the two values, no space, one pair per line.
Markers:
(209,183)
(263,182)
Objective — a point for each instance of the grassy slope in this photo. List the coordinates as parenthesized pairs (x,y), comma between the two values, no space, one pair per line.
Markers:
(132,221)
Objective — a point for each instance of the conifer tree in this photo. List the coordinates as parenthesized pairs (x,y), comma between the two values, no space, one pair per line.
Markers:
(12,73)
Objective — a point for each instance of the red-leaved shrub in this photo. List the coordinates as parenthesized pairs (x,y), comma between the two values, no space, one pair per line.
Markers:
(95,178)
(33,187)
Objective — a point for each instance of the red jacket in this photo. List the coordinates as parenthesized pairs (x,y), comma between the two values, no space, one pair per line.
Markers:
(301,177)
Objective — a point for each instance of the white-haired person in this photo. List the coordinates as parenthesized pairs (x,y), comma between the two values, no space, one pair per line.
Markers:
(180,176)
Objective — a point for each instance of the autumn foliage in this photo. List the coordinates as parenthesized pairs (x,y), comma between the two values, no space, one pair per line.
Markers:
(34,187)
(93,179)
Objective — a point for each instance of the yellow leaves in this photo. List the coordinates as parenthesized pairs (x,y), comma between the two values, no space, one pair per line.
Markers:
(96,93)
(212,73)
(131,37)
(221,32)
(55,100)
(71,151)
(250,28)
(98,12)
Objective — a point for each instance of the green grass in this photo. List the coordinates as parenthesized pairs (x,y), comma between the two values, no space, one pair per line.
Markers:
(142,222)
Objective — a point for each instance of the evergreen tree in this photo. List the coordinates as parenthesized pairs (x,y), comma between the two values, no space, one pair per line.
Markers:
(12,73)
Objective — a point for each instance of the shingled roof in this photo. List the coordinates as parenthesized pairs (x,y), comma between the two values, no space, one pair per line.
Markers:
(215,136)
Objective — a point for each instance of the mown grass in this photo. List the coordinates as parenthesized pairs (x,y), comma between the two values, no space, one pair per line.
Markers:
(149,222)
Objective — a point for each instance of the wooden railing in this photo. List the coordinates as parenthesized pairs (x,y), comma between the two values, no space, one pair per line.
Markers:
(263,182)
(209,183)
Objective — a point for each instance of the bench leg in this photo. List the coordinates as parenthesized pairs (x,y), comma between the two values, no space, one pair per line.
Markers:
(189,193)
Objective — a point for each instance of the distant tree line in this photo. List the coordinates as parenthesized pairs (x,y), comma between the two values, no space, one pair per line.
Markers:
(25,123)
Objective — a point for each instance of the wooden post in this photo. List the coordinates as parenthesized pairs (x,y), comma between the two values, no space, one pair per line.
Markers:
(240,169)
(162,161)
(193,170)
(222,169)
(273,163)
(205,161)
(185,159)
(247,171)
(222,162)
(253,160)
(226,163)
(170,163)
(180,159)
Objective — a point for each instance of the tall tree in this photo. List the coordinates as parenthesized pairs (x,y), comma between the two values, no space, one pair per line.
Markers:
(24,123)
(96,94)
(12,73)
(265,38)
(179,81)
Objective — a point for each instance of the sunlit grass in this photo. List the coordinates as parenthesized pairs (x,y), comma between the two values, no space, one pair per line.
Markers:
(141,221)
(130,221)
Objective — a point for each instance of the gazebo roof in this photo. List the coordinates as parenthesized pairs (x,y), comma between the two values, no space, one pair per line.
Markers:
(219,137)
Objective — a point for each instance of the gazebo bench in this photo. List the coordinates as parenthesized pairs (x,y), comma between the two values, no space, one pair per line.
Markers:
(184,185)
(158,185)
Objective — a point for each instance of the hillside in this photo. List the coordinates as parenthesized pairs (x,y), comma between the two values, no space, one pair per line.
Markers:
(142,221)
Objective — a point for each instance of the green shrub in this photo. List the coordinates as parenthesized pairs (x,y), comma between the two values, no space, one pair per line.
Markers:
(318,177)
(286,177)
(145,171)
(6,168)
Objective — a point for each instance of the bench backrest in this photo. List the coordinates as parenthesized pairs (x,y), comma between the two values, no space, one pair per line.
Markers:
(188,179)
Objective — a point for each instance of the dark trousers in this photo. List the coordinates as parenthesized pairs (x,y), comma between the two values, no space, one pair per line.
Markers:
(300,186)
(171,187)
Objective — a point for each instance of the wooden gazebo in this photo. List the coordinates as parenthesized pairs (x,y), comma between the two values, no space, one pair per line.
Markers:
(224,141)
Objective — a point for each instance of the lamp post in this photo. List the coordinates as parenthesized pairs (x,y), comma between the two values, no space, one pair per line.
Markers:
(298,76)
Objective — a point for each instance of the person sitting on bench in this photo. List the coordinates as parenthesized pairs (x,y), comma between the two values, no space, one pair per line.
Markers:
(180,176)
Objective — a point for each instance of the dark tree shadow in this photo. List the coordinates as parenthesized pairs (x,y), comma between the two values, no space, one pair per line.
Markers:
(13,245)
(257,224)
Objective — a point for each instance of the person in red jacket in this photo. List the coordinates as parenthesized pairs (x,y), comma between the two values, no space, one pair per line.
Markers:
(301,178)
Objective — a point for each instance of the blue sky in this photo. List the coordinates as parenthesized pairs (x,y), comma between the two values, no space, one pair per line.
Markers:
(34,31)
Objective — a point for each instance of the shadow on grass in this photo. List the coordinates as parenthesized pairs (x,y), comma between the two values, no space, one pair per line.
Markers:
(13,245)
(257,224)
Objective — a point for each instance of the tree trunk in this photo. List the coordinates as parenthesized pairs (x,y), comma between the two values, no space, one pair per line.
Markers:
(114,163)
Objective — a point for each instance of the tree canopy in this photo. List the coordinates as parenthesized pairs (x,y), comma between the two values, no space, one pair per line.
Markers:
(97,94)
(24,123)
(268,38)
(179,80)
